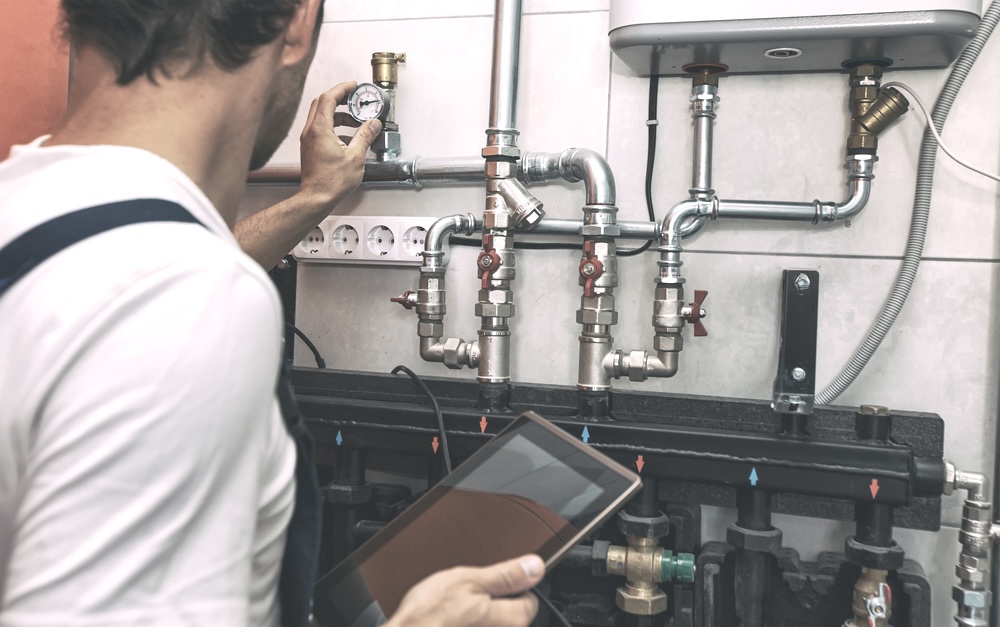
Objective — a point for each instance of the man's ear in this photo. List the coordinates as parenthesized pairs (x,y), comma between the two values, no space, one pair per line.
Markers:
(299,35)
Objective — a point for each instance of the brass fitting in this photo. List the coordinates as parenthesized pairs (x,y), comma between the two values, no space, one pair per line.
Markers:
(644,565)
(384,68)
(872,603)
(888,107)
(864,92)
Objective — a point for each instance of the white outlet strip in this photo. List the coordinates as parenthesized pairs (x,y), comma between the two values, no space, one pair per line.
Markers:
(382,240)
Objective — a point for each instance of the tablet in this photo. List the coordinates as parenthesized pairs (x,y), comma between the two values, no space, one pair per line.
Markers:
(531,489)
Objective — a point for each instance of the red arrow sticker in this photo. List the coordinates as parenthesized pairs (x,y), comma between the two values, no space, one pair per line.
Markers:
(482,424)
(874,488)
(434,445)
(639,463)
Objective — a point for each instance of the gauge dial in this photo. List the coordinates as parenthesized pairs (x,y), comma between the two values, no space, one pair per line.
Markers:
(368,102)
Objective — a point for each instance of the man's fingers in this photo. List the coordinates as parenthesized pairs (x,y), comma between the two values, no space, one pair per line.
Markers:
(310,117)
(511,577)
(345,119)
(518,612)
(340,91)
(366,134)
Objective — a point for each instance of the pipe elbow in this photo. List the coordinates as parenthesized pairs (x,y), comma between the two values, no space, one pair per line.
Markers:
(663,365)
(590,167)
(976,484)
(464,223)
(682,218)
(455,353)
(860,194)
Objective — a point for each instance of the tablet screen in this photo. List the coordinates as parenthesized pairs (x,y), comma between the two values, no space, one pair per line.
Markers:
(531,489)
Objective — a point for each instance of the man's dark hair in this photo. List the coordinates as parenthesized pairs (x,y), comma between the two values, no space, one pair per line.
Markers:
(150,36)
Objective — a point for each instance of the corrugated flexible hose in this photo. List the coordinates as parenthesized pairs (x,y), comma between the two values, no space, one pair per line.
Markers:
(921,211)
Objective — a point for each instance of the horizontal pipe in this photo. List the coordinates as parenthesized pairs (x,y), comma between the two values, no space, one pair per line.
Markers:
(766,210)
(816,466)
(628,230)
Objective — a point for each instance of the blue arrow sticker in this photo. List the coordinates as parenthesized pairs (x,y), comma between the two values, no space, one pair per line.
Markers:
(586,435)
(753,476)
(340,439)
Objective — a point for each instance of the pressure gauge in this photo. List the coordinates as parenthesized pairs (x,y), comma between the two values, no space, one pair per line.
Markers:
(368,102)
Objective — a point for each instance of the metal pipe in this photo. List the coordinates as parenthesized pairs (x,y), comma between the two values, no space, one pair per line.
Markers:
(506,50)
(859,182)
(421,171)
(572,165)
(972,594)
(571,228)
(441,230)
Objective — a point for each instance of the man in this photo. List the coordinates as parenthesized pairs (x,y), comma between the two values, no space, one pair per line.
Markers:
(146,473)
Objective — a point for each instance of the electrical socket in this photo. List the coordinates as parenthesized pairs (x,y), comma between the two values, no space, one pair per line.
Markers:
(382,240)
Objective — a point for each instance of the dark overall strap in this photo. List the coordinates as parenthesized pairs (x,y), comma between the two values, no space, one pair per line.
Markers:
(29,250)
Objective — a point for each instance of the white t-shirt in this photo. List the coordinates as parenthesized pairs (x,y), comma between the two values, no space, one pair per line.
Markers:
(146,476)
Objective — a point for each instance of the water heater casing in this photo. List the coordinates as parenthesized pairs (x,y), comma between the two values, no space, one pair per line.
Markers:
(661,37)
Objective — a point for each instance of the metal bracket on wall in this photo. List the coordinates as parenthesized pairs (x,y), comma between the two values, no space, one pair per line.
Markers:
(795,383)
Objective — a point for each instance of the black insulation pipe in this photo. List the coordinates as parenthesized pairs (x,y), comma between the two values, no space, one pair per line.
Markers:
(754,514)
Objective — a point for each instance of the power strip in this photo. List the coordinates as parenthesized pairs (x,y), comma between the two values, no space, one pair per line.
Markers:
(382,240)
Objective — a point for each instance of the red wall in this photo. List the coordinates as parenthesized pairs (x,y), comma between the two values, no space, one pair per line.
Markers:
(34,70)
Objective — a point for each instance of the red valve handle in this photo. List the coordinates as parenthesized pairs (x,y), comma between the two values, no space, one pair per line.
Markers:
(404,299)
(695,314)
(588,279)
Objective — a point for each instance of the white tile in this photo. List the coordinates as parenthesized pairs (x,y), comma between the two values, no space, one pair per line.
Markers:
(388,10)
(782,138)
(443,97)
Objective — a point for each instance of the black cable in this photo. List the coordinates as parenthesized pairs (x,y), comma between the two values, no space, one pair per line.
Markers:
(477,243)
(552,608)
(437,411)
(651,123)
(302,336)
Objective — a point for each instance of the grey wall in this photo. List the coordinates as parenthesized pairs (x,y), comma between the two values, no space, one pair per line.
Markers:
(777,138)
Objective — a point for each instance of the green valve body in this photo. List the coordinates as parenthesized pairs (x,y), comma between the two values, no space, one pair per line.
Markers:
(676,568)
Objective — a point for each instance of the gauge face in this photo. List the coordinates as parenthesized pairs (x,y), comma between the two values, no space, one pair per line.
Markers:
(368,102)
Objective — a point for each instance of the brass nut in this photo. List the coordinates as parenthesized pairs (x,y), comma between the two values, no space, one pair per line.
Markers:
(494,310)
(496,296)
(600,230)
(971,561)
(430,329)
(510,152)
(866,69)
(453,349)
(970,575)
(669,293)
(500,169)
(598,301)
(498,219)
(531,218)
(977,514)
(641,606)
(971,598)
(388,141)
(668,342)
(862,141)
(592,316)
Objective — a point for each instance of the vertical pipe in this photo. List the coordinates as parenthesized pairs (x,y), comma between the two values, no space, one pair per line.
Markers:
(754,514)
(506,46)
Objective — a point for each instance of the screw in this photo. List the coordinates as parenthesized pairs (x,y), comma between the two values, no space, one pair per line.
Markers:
(798,374)
(486,261)
(284,264)
(801,282)
(588,269)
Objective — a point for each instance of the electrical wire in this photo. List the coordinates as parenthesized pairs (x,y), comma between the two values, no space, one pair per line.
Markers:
(937,136)
(315,351)
(651,124)
(437,411)
(552,608)
(477,243)
(921,214)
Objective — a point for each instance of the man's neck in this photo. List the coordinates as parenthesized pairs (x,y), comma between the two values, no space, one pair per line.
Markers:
(203,123)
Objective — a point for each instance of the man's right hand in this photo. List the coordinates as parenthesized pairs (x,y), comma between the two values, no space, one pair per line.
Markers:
(493,596)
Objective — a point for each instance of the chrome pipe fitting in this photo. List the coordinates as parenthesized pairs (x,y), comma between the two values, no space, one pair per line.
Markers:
(972,594)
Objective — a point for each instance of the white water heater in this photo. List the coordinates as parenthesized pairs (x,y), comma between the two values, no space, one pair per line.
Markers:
(663,36)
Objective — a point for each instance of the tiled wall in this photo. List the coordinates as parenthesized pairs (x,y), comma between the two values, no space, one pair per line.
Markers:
(777,138)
